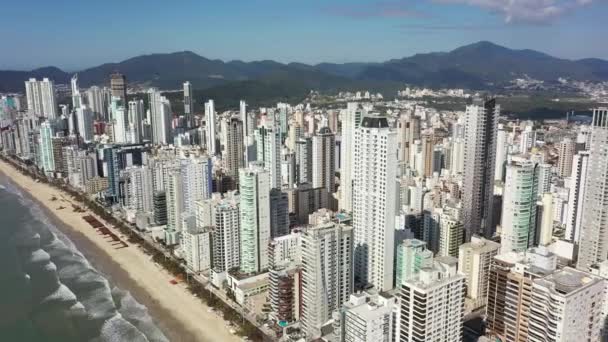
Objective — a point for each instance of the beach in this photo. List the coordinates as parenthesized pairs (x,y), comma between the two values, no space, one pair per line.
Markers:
(180,315)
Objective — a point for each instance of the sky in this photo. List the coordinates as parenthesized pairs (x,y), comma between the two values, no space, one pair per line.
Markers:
(74,35)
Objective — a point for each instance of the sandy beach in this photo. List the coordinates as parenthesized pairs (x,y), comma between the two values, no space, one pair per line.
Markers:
(180,315)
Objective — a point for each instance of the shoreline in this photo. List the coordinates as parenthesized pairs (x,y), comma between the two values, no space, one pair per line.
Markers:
(175,311)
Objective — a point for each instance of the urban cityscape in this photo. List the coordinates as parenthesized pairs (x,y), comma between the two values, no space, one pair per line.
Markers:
(385,202)
(346,224)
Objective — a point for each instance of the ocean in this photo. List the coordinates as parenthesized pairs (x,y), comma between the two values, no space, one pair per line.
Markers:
(50,292)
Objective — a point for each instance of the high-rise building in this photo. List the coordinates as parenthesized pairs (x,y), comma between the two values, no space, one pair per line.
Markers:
(510,291)
(138,188)
(232,146)
(367,317)
(84,118)
(451,232)
(159,201)
(324,164)
(518,221)
(566,306)
(76,97)
(196,248)
(197,177)
(326,273)
(175,201)
(160,115)
(481,119)
(576,196)
(135,119)
(97,100)
(474,261)
(188,104)
(254,190)
(119,121)
(566,149)
(412,255)
(210,127)
(374,200)
(501,153)
(279,213)
(41,98)
(118,86)
(268,146)
(432,304)
(409,131)
(220,214)
(47,160)
(303,153)
(594,223)
(351,119)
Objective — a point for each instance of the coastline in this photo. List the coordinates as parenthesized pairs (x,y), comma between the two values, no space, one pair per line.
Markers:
(177,313)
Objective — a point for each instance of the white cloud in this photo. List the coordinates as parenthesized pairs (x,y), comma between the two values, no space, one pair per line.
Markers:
(528,11)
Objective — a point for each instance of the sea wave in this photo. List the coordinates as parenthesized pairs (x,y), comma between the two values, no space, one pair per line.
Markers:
(56,294)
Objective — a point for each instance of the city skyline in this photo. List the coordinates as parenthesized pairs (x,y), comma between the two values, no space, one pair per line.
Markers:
(310,32)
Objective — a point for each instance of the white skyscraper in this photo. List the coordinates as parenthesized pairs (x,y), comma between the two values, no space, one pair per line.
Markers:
(196,173)
(210,127)
(41,98)
(268,146)
(138,188)
(566,306)
(76,97)
(367,317)
(519,205)
(474,261)
(576,196)
(161,115)
(175,201)
(221,215)
(501,153)
(566,150)
(351,118)
(481,119)
(119,121)
(188,104)
(432,304)
(136,117)
(374,199)
(47,159)
(98,101)
(84,117)
(594,225)
(254,190)
(326,273)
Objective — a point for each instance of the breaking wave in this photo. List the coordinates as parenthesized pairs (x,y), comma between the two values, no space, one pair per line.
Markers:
(52,292)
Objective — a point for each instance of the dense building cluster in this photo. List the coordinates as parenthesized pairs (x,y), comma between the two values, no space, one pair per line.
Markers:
(381,220)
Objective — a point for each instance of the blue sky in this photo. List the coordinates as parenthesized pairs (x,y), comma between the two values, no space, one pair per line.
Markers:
(78,34)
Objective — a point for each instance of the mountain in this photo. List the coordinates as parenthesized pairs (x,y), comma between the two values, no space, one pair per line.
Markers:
(481,65)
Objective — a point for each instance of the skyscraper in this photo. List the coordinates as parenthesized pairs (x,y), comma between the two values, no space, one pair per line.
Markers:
(351,119)
(135,119)
(594,224)
(501,153)
(46,147)
(566,149)
(324,164)
(254,190)
(479,162)
(412,255)
(161,115)
(188,104)
(210,127)
(118,85)
(576,196)
(98,103)
(326,273)
(474,261)
(76,97)
(119,121)
(175,201)
(41,98)
(409,131)
(232,146)
(84,118)
(374,200)
(432,304)
(268,146)
(303,153)
(519,205)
